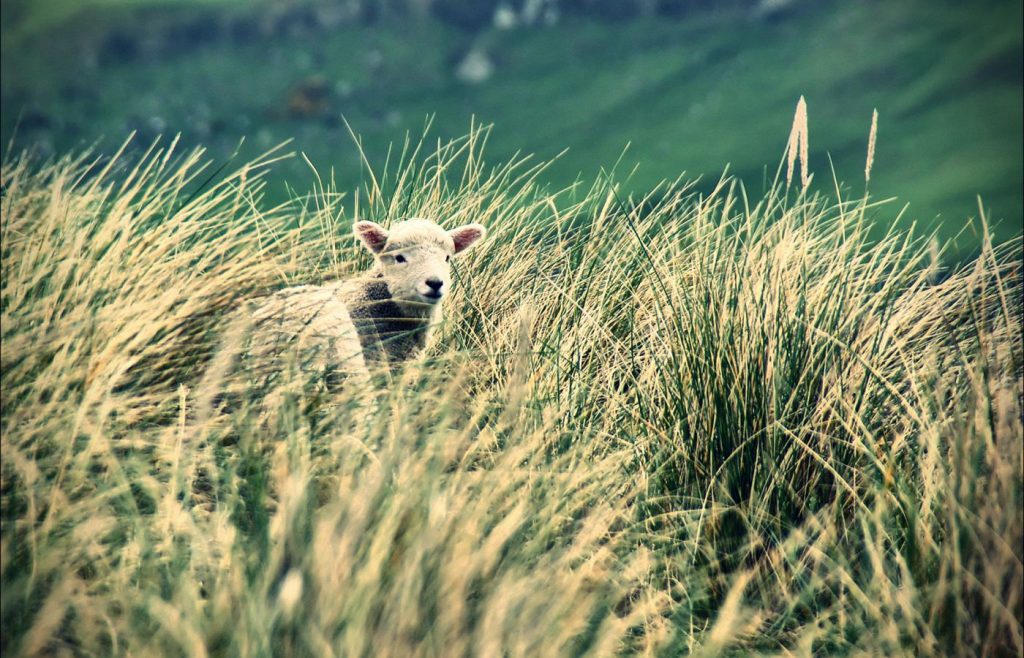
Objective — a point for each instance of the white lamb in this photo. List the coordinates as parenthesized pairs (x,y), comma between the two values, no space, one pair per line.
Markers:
(381,318)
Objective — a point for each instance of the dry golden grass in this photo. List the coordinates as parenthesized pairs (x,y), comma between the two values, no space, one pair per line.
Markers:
(797,147)
(691,425)
(872,139)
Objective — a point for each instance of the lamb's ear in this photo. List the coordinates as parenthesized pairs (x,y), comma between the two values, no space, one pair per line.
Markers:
(465,236)
(374,236)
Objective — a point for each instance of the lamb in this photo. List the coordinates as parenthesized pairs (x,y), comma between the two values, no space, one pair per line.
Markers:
(377,321)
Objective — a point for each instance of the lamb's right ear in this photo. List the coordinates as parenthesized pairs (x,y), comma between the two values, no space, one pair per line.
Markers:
(374,236)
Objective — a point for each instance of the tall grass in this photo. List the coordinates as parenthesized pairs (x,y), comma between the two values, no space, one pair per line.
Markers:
(697,424)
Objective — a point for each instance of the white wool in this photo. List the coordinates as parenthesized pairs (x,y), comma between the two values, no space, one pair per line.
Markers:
(383,317)
(313,320)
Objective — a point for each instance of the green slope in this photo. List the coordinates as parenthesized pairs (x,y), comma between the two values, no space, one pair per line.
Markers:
(693,95)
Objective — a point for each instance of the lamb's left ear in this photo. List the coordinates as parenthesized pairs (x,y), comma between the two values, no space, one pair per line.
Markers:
(374,236)
(465,236)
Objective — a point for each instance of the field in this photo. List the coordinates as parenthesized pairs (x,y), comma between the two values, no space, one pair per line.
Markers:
(696,94)
(701,423)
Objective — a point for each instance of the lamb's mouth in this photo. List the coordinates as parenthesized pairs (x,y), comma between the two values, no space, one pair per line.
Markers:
(432,297)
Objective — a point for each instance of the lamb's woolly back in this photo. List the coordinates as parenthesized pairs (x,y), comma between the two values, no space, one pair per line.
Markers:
(308,326)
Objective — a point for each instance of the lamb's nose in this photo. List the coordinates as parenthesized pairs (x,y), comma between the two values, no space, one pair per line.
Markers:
(435,284)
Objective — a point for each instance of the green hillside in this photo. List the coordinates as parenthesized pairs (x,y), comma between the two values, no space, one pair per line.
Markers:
(721,418)
(693,95)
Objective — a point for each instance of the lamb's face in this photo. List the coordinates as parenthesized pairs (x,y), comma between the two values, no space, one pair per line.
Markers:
(415,256)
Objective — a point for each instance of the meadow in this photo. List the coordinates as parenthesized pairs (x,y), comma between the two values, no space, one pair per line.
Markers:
(700,423)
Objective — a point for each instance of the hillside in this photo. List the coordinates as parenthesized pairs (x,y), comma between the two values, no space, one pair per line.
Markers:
(691,95)
(718,418)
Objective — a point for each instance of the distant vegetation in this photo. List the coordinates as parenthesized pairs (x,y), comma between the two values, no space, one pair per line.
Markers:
(692,86)
(702,424)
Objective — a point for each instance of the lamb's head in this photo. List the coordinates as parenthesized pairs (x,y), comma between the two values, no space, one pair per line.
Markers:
(415,256)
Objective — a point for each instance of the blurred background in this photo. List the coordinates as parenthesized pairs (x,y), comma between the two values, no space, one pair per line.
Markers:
(691,86)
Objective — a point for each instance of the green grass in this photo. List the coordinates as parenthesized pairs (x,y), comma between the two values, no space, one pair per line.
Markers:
(702,424)
(698,95)
(30,19)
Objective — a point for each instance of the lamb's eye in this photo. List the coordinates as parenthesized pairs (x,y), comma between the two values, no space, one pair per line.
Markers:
(447,258)
(399,258)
